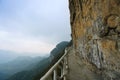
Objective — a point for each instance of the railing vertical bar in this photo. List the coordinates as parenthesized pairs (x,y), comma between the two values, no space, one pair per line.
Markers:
(54,75)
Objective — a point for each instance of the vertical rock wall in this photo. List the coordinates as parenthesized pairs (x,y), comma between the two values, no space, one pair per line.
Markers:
(95,28)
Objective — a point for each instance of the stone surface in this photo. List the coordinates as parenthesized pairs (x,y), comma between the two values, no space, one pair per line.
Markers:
(95,28)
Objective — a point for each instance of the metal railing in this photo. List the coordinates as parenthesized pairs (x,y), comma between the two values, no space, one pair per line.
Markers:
(59,70)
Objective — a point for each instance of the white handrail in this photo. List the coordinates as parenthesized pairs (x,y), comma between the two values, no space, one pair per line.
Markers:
(53,67)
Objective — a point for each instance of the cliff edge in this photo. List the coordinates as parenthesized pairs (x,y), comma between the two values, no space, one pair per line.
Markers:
(95,53)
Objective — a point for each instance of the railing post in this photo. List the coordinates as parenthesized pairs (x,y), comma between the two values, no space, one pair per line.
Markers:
(64,78)
(54,75)
(61,71)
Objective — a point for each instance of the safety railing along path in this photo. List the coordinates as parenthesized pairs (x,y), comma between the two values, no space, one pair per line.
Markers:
(59,70)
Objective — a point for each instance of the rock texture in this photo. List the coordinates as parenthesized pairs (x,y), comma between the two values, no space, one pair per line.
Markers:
(95,54)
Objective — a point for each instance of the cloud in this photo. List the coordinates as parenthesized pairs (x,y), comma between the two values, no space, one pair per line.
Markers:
(33,25)
(23,44)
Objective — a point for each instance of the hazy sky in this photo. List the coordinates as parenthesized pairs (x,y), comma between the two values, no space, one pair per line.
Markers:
(33,26)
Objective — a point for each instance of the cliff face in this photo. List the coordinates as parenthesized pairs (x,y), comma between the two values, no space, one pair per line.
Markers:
(95,28)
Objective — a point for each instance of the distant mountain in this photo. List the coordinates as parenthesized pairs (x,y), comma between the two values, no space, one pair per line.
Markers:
(17,65)
(6,56)
(58,51)
(31,74)
(41,67)
(3,76)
